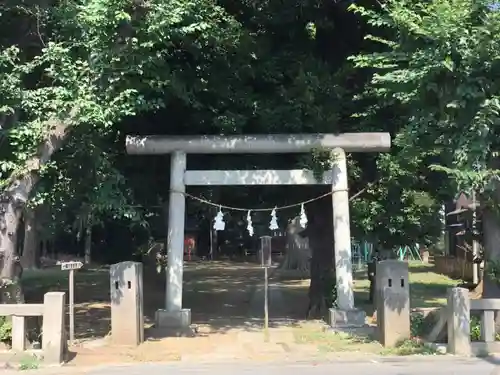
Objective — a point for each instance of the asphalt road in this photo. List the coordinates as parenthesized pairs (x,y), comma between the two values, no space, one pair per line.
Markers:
(440,365)
(383,366)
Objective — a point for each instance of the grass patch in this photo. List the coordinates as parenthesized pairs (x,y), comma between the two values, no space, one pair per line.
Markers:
(331,342)
(409,347)
(327,342)
(427,288)
(91,298)
(29,363)
(88,283)
(55,277)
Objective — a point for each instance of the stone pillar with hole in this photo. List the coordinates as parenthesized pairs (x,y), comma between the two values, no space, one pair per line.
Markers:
(392,302)
(127,306)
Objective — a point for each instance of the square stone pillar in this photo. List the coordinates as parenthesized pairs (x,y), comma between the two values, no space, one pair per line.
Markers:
(344,314)
(459,321)
(127,314)
(392,302)
(54,340)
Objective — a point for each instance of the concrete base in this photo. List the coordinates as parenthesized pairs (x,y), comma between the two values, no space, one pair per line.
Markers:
(347,318)
(173,319)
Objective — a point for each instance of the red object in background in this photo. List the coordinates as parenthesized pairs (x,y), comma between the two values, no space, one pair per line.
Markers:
(189,245)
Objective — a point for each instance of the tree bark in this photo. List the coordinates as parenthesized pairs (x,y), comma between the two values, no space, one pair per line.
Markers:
(14,197)
(30,258)
(8,237)
(43,217)
(320,233)
(88,244)
(298,253)
(491,242)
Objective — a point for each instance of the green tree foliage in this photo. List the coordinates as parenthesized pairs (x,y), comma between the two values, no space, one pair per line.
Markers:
(94,63)
(401,207)
(75,76)
(438,71)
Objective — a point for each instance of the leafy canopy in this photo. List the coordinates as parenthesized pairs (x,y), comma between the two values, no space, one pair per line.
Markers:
(439,71)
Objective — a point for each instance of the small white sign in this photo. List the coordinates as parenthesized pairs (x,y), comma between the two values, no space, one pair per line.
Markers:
(71,266)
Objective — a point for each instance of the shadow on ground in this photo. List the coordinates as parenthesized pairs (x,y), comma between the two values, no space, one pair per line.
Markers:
(219,294)
(227,303)
(222,295)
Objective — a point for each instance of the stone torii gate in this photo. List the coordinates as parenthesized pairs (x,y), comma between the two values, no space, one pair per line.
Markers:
(179,146)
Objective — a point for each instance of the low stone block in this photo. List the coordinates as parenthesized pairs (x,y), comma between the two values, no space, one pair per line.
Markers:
(347,318)
(54,337)
(459,342)
(173,319)
(19,333)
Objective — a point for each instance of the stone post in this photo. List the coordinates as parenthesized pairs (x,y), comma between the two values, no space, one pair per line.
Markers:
(344,314)
(392,302)
(488,330)
(127,315)
(19,333)
(342,232)
(459,321)
(174,315)
(53,328)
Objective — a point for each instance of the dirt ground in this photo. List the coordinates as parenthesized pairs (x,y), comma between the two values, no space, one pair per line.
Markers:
(226,300)
(219,294)
(216,292)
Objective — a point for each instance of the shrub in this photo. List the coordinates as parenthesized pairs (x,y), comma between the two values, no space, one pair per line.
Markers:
(5,329)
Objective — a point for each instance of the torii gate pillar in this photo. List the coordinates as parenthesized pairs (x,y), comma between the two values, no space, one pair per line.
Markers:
(344,313)
(342,231)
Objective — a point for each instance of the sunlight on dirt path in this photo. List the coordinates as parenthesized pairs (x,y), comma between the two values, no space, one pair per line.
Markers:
(226,299)
(219,294)
(229,303)
(233,344)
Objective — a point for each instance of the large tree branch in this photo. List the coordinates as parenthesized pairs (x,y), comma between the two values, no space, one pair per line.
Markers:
(21,184)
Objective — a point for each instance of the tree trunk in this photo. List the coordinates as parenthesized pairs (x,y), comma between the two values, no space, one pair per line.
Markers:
(13,200)
(45,248)
(491,242)
(11,270)
(44,234)
(88,244)
(8,238)
(298,253)
(320,233)
(31,254)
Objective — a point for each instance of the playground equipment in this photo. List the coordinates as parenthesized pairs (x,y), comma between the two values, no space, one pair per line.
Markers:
(409,252)
(362,252)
